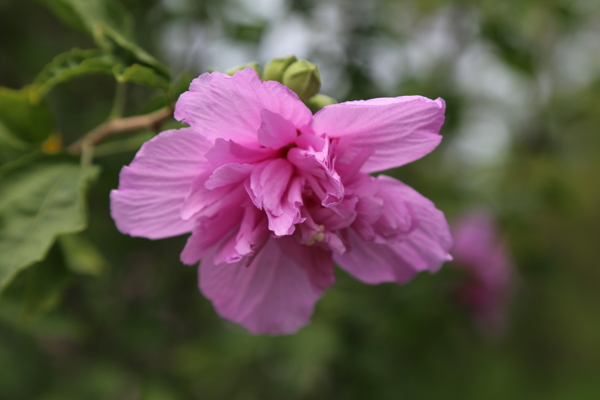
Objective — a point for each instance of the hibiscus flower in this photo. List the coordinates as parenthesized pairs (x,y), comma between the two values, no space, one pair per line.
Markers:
(273,195)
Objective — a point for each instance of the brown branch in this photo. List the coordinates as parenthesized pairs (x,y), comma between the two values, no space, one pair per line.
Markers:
(120,125)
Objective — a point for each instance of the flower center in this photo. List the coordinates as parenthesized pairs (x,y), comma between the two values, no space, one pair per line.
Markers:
(286,149)
(318,236)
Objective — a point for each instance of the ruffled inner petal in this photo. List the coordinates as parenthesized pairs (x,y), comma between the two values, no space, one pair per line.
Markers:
(273,188)
(275,131)
(423,247)
(221,106)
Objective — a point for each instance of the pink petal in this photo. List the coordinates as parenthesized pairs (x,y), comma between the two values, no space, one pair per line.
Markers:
(398,130)
(233,233)
(398,219)
(152,188)
(424,249)
(369,207)
(429,243)
(200,198)
(210,191)
(373,262)
(275,131)
(250,237)
(339,217)
(273,189)
(212,230)
(253,231)
(273,292)
(315,166)
(228,174)
(221,106)
(228,152)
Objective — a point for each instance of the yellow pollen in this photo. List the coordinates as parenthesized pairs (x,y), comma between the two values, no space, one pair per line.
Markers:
(318,236)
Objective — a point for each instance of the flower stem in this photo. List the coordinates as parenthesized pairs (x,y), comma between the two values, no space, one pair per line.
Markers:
(119,101)
(120,125)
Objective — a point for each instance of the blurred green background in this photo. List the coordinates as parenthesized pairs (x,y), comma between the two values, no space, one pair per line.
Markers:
(521,79)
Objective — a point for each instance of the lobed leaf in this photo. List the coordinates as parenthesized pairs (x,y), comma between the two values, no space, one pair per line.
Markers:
(79,62)
(140,74)
(41,197)
(69,65)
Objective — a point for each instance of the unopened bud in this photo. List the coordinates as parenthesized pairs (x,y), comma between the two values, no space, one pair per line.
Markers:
(275,68)
(319,101)
(253,65)
(303,78)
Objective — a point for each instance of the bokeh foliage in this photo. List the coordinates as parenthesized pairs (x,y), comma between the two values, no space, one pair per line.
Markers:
(95,314)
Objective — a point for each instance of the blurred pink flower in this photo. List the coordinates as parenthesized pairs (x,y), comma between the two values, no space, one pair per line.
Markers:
(479,250)
(272,195)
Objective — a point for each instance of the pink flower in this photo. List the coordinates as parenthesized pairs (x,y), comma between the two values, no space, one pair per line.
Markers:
(479,251)
(273,194)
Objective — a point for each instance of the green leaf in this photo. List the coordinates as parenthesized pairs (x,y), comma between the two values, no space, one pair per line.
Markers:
(140,74)
(69,65)
(111,26)
(11,147)
(130,53)
(79,62)
(85,14)
(81,256)
(24,120)
(41,198)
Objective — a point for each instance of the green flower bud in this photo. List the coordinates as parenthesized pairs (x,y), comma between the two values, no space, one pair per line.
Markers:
(253,65)
(303,78)
(319,101)
(275,68)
